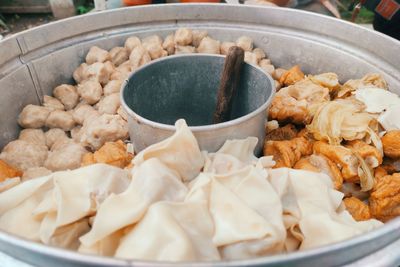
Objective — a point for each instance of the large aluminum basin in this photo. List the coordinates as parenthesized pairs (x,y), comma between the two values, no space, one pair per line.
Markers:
(33,62)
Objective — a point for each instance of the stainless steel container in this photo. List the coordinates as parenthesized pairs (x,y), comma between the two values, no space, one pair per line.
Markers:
(34,62)
(186,86)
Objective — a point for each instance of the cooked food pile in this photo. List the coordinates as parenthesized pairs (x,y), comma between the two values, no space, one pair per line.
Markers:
(180,204)
(329,172)
(348,132)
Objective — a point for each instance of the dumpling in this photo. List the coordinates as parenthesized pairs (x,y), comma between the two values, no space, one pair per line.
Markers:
(152,181)
(179,152)
(184,234)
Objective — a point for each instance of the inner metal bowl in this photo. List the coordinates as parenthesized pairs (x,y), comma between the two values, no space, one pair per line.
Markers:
(186,86)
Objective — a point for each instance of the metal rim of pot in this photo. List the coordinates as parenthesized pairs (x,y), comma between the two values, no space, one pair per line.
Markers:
(202,128)
(368,240)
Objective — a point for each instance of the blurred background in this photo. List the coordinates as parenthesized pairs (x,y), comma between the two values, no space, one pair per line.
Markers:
(19,15)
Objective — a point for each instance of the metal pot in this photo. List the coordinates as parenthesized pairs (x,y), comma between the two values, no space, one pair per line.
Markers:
(32,63)
(189,85)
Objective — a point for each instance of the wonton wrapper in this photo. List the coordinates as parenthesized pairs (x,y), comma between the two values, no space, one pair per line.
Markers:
(171,232)
(179,152)
(152,181)
(319,206)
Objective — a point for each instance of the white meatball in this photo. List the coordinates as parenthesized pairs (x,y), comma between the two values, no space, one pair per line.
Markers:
(152,39)
(67,94)
(52,103)
(209,46)
(66,155)
(250,58)
(138,57)
(76,133)
(112,87)
(119,75)
(96,54)
(155,50)
(197,37)
(105,128)
(99,72)
(225,46)
(184,49)
(132,42)
(109,104)
(260,54)
(90,91)
(122,113)
(33,116)
(245,42)
(24,155)
(84,112)
(267,67)
(60,119)
(110,68)
(80,74)
(53,135)
(119,55)
(35,172)
(34,136)
(169,44)
(183,36)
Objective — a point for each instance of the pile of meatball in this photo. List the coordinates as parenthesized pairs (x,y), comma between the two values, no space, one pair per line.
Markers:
(79,119)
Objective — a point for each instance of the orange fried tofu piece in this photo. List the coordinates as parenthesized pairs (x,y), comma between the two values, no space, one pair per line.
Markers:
(319,163)
(292,103)
(286,153)
(391,144)
(291,76)
(358,209)
(369,153)
(7,171)
(341,156)
(286,132)
(113,153)
(380,172)
(384,200)
(88,159)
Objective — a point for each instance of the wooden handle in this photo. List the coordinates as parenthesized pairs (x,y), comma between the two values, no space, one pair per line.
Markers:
(229,83)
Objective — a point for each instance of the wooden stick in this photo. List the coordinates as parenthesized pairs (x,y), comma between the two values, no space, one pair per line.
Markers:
(229,83)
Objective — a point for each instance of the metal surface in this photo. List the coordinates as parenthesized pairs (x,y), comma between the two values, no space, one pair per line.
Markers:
(48,55)
(186,86)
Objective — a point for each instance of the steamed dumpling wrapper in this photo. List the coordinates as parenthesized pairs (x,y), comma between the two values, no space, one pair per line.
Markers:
(63,198)
(245,209)
(17,204)
(319,206)
(179,152)
(171,232)
(152,181)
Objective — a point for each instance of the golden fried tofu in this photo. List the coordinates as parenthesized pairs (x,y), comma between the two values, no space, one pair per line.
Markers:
(286,153)
(292,103)
(358,209)
(319,163)
(342,156)
(88,159)
(286,132)
(384,200)
(329,80)
(391,144)
(369,153)
(291,76)
(113,153)
(380,172)
(372,79)
(7,171)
